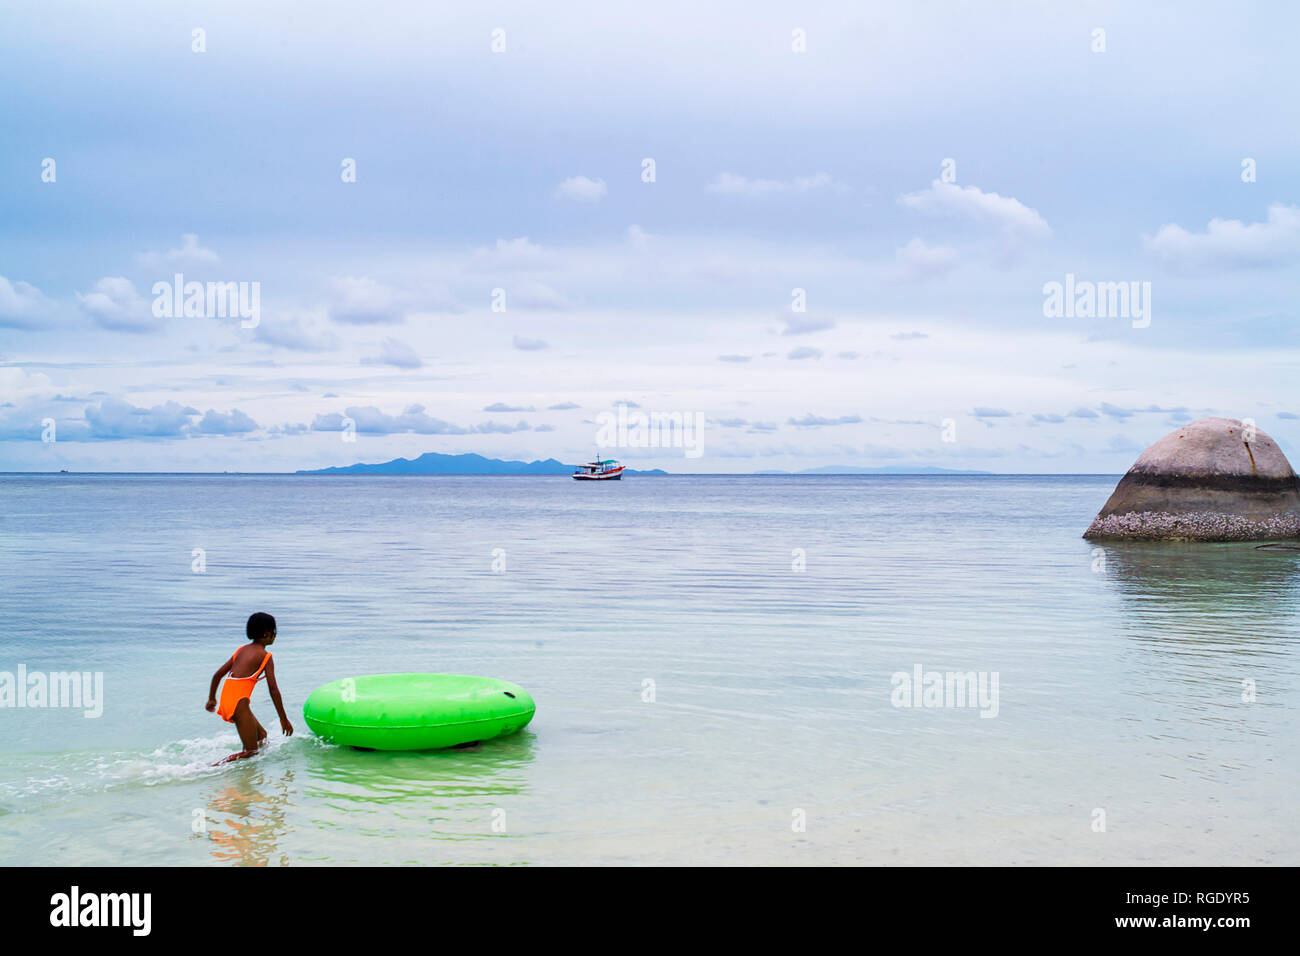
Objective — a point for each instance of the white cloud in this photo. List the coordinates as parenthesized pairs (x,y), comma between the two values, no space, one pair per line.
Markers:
(1230,243)
(397,353)
(732,184)
(22,306)
(369,420)
(115,419)
(301,334)
(582,189)
(115,304)
(525,344)
(189,253)
(816,421)
(806,325)
(511,255)
(531,294)
(919,260)
(360,300)
(970,202)
(234,422)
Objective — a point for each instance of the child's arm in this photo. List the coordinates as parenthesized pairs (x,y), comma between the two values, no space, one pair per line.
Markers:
(216,679)
(274,689)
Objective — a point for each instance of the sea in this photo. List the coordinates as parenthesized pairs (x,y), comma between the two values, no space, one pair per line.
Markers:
(728,670)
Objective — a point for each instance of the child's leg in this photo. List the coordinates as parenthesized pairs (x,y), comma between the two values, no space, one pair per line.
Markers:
(247,726)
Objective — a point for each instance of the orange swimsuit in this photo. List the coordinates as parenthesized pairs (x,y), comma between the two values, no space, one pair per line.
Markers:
(236,689)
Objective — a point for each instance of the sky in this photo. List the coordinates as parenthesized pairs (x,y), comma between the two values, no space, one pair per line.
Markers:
(830,233)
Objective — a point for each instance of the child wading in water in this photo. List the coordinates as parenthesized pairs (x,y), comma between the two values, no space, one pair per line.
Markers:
(252,660)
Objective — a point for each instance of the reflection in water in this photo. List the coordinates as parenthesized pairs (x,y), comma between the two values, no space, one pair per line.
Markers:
(1210,624)
(409,798)
(415,802)
(1225,596)
(253,803)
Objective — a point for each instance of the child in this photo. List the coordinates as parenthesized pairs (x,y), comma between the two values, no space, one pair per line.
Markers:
(251,660)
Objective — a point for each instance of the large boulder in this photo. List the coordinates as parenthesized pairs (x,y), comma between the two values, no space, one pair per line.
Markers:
(1216,479)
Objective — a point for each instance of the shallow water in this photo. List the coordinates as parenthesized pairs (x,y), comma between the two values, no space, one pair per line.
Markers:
(1119,672)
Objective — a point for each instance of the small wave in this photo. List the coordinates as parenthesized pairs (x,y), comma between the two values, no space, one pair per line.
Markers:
(180,760)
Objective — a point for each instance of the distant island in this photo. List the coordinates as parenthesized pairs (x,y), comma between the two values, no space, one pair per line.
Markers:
(431,463)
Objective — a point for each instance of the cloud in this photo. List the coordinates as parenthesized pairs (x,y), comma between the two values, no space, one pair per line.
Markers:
(919,260)
(805,352)
(849,355)
(731,184)
(110,419)
(495,428)
(815,421)
(114,304)
(511,255)
(115,419)
(531,294)
(908,336)
(301,335)
(503,407)
(189,253)
(638,238)
(970,202)
(360,300)
(397,353)
(563,406)
(234,422)
(734,358)
(984,411)
(1119,414)
(288,429)
(22,306)
(1229,244)
(525,344)
(369,420)
(1289,416)
(582,189)
(805,325)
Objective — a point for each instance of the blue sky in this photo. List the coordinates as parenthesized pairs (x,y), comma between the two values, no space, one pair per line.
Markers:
(521,170)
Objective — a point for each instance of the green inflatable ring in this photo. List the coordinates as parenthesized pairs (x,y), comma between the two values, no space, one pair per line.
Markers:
(416,711)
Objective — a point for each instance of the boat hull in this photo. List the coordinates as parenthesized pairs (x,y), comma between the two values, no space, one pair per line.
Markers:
(612,477)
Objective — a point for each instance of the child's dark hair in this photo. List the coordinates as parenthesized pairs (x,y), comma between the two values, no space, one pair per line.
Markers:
(258,625)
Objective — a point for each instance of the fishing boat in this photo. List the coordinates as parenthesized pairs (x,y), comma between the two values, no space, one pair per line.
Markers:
(607,470)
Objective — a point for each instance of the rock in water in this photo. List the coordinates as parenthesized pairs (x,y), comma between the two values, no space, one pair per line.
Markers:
(1216,479)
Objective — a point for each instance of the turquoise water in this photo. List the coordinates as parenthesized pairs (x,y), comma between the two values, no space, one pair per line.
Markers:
(1119,673)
